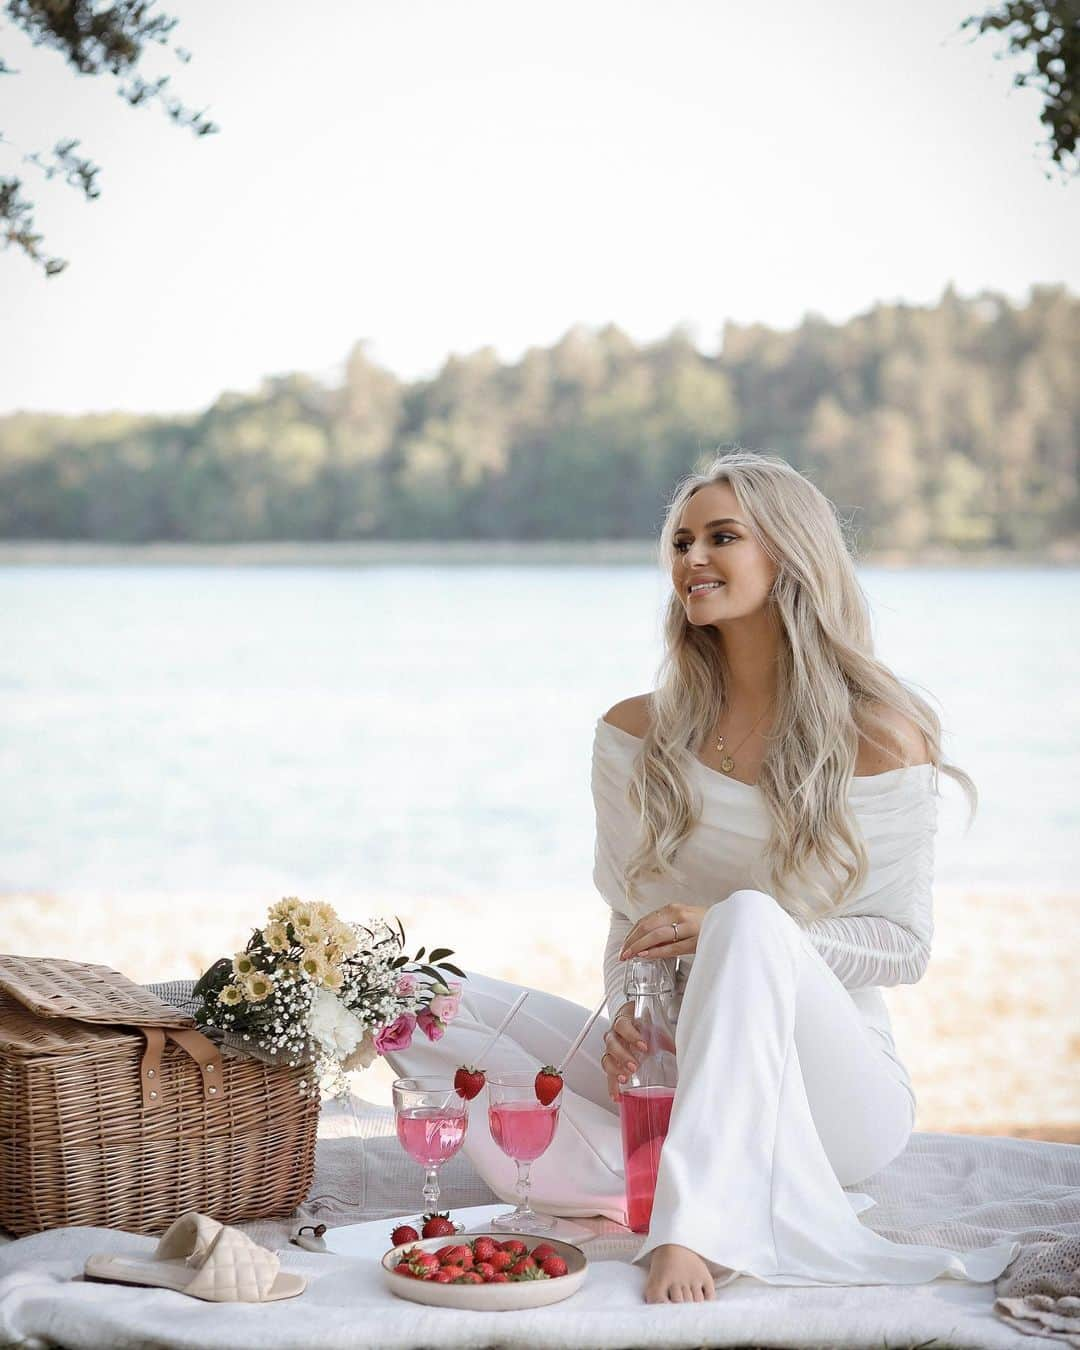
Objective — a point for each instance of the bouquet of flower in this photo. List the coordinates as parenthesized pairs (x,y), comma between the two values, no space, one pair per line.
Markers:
(310,988)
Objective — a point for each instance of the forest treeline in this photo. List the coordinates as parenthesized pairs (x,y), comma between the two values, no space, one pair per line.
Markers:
(956,424)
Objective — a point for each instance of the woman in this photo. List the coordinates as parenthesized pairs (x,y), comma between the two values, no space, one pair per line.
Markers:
(766,815)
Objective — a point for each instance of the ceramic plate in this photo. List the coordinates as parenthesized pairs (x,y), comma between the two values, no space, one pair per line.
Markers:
(490,1297)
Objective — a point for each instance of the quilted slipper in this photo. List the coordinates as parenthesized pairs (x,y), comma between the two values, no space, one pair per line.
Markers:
(196,1255)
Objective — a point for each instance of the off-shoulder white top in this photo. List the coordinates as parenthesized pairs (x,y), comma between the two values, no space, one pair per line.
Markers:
(882,935)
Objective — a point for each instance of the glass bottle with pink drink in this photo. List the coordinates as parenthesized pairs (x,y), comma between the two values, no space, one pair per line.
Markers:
(646,1098)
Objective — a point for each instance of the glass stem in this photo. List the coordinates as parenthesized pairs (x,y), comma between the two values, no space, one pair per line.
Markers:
(522,1185)
(431,1191)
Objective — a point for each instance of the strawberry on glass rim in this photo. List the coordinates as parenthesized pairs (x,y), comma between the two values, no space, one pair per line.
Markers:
(548,1085)
(469,1081)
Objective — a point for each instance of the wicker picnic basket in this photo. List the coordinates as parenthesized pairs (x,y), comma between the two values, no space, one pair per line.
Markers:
(116,1111)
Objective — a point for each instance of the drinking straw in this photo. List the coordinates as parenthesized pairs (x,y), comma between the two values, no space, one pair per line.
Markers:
(582,1034)
(501,1027)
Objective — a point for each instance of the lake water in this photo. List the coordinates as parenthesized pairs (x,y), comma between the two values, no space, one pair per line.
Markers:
(426,731)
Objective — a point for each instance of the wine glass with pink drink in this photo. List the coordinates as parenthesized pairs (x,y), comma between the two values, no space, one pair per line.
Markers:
(523,1127)
(431,1123)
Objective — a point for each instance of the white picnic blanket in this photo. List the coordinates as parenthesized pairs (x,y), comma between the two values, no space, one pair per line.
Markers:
(954,1190)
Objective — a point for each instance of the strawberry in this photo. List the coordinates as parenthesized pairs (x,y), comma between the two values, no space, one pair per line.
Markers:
(499,1278)
(444,1254)
(515,1246)
(485,1270)
(469,1082)
(500,1260)
(521,1266)
(402,1234)
(442,1277)
(548,1084)
(541,1251)
(469,1277)
(437,1225)
(483,1248)
(533,1273)
(425,1262)
(553,1266)
(458,1256)
(403,1269)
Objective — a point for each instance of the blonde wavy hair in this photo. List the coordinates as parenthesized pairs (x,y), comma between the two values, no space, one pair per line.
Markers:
(829,684)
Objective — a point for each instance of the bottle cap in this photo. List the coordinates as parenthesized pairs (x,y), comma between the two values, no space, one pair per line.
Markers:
(649,977)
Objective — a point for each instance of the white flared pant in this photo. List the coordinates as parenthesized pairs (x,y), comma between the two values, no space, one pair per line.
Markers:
(784,1097)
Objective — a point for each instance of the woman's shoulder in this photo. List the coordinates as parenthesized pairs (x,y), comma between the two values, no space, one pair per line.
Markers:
(901,744)
(632,715)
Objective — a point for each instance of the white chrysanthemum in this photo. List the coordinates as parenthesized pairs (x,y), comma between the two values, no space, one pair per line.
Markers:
(343,935)
(242,964)
(325,912)
(333,978)
(331,1024)
(277,937)
(314,965)
(257,987)
(308,926)
(284,909)
(229,995)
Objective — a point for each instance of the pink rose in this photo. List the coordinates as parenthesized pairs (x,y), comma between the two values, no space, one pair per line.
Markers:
(430,1025)
(397,1036)
(406,985)
(446,1005)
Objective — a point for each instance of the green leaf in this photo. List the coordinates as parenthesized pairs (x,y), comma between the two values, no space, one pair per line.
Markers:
(419,954)
(214,977)
(454,970)
(439,952)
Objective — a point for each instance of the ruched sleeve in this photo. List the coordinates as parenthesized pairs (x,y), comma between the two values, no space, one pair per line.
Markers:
(868,950)
(613,819)
(884,937)
(614,969)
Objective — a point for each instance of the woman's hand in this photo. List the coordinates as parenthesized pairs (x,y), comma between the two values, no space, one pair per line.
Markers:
(653,936)
(624,1048)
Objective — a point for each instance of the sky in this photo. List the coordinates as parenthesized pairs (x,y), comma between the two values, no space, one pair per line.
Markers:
(437,176)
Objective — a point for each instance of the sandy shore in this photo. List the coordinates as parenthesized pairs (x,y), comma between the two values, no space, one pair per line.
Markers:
(991,1035)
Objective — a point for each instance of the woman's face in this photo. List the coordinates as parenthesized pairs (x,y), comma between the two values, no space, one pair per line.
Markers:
(713,544)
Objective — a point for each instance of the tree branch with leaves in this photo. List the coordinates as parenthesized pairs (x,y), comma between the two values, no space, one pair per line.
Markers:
(94,41)
(1048,33)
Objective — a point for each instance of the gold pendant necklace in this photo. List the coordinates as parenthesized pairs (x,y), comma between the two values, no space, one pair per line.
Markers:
(728,763)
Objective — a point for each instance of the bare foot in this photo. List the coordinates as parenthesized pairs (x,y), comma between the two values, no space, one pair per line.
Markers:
(678,1275)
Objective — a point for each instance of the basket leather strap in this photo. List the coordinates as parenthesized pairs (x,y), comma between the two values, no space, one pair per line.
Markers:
(194,1043)
(205,1053)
